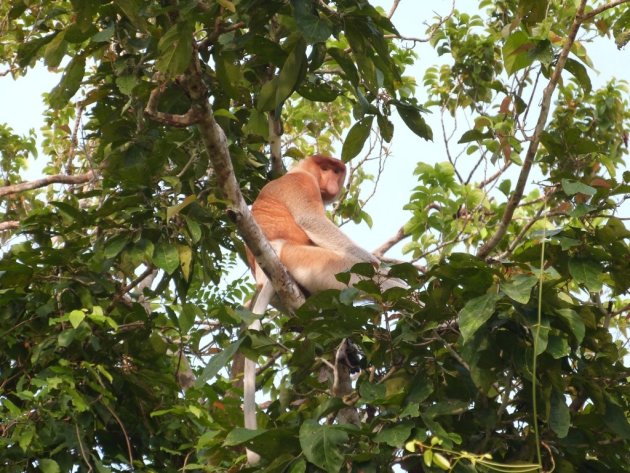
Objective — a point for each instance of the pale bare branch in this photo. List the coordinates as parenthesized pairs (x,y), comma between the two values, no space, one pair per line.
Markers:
(46,181)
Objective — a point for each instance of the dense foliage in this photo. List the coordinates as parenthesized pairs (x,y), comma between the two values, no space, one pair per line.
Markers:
(121,301)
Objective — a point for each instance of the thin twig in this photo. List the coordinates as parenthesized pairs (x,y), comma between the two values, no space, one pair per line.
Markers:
(82,449)
(125,434)
(597,11)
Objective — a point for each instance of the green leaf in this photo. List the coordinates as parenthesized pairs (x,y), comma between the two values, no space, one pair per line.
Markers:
(475,313)
(76,317)
(115,245)
(586,272)
(48,466)
(217,362)
(616,420)
(516,52)
(277,90)
(175,49)
(559,415)
(519,287)
(314,28)
(579,72)
(474,135)
(346,64)
(386,127)
(187,317)
(321,445)
(240,435)
(131,9)
(395,436)
(104,35)
(575,322)
(166,257)
(356,138)
(27,51)
(574,187)
(69,83)
(412,118)
(318,91)
(56,50)
(176,209)
(185,259)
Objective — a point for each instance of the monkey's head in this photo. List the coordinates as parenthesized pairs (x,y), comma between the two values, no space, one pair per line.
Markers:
(330,174)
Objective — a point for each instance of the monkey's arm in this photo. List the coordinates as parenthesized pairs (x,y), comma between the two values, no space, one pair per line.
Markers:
(326,234)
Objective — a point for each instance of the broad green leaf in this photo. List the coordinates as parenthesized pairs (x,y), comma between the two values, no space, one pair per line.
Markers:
(558,347)
(66,338)
(56,50)
(516,52)
(28,50)
(76,317)
(356,138)
(26,436)
(115,245)
(240,435)
(346,64)
(127,83)
(559,415)
(579,72)
(395,436)
(69,83)
(474,135)
(475,313)
(131,9)
(586,272)
(276,91)
(187,317)
(414,121)
(218,362)
(175,49)
(322,445)
(299,466)
(290,73)
(166,257)
(616,420)
(314,28)
(318,91)
(573,187)
(575,322)
(176,209)
(104,35)
(185,259)
(519,287)
(48,466)
(386,127)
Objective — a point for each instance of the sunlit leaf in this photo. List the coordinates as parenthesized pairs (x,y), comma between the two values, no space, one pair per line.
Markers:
(475,313)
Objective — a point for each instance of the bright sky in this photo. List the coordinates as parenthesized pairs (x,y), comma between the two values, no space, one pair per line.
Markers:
(22,109)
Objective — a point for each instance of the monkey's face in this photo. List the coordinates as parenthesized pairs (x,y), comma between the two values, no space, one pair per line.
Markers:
(331,174)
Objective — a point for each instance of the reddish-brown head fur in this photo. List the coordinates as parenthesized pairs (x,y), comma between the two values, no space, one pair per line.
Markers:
(330,174)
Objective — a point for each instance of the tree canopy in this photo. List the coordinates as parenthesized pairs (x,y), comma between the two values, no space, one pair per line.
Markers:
(122,294)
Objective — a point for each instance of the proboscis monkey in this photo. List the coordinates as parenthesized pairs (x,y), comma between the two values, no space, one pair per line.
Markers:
(290,211)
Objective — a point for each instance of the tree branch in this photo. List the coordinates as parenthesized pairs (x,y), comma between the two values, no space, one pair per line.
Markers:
(215,142)
(385,247)
(45,181)
(9,225)
(545,105)
(596,11)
